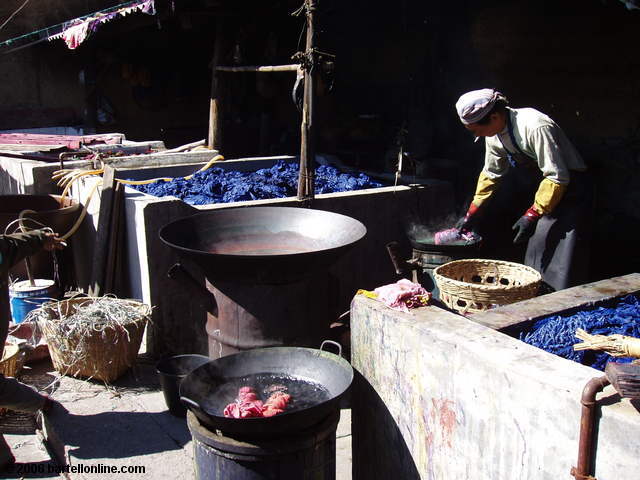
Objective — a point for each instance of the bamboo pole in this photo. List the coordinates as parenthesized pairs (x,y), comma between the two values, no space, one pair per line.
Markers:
(260,69)
(307,137)
(214,137)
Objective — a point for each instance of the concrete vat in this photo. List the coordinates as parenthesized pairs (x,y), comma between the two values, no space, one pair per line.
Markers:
(442,396)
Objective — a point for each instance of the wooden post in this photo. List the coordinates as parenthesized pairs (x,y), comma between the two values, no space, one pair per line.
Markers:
(214,138)
(307,137)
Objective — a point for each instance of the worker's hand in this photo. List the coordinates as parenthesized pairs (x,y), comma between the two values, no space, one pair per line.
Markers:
(53,242)
(469,221)
(525,226)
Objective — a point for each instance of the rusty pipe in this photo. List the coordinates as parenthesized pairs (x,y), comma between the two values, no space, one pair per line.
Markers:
(180,274)
(587,427)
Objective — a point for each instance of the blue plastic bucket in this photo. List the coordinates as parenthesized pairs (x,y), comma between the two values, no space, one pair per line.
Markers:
(26,297)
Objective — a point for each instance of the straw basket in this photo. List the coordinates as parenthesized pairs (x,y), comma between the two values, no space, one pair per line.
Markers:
(103,353)
(12,360)
(475,285)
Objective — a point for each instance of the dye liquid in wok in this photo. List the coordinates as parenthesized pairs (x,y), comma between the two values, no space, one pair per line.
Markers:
(304,393)
(281,243)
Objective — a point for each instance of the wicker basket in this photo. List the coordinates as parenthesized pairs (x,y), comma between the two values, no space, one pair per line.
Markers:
(12,360)
(475,285)
(103,354)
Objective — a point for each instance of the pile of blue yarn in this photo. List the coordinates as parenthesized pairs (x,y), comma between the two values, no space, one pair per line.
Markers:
(556,334)
(217,185)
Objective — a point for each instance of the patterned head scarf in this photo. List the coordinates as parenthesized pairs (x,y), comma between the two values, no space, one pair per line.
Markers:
(474,105)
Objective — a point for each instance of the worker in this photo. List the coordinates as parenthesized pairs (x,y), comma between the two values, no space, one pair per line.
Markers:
(15,395)
(524,140)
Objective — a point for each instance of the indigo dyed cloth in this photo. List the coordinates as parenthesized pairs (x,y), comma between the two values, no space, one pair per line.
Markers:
(216,185)
(556,334)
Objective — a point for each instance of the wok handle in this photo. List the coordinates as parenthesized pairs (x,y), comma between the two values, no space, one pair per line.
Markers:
(187,402)
(335,344)
(394,254)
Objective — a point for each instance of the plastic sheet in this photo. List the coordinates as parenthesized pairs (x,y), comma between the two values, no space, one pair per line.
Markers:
(556,334)
(217,185)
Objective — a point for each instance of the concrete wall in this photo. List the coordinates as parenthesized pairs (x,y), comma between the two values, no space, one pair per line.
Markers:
(438,396)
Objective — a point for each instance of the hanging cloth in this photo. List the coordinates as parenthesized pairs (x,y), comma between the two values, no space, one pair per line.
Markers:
(76,31)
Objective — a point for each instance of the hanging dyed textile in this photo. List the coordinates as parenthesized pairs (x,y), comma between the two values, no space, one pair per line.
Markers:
(76,31)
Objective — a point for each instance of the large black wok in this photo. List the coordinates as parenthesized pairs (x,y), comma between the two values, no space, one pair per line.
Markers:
(210,387)
(263,245)
(428,244)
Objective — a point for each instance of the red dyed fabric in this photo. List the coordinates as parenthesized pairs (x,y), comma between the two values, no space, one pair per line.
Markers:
(275,404)
(247,405)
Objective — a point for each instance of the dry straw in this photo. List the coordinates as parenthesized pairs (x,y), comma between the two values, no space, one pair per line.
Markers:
(94,337)
(476,285)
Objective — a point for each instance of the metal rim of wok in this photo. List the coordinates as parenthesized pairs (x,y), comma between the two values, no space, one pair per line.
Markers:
(429,245)
(321,367)
(330,236)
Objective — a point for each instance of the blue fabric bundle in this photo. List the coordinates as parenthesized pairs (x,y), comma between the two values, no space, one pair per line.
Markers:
(556,334)
(216,185)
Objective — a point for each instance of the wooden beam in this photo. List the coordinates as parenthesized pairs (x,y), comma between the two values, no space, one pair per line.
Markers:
(114,253)
(101,245)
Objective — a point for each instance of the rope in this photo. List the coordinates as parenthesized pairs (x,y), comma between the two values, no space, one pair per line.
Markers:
(67,178)
(60,26)
(14,14)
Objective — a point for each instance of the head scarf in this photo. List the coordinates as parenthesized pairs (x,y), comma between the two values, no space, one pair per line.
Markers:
(474,105)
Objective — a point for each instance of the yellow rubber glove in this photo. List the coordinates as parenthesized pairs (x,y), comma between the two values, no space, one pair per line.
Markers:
(484,189)
(548,196)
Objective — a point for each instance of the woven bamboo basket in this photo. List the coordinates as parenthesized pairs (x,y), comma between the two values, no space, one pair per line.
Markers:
(476,285)
(12,360)
(104,354)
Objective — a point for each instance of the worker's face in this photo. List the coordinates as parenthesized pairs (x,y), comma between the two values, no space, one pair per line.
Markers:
(495,125)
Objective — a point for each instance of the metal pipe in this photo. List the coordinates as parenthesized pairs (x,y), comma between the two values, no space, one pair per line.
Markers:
(587,427)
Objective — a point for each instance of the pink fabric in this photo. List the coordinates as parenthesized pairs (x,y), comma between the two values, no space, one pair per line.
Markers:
(452,235)
(276,404)
(247,405)
(403,295)
(75,35)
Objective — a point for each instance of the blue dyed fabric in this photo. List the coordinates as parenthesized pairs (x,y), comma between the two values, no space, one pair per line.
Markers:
(556,334)
(216,185)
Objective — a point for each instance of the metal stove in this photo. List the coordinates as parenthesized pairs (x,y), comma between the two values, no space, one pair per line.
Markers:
(426,255)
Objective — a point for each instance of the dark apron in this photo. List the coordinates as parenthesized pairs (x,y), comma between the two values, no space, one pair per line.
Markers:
(559,247)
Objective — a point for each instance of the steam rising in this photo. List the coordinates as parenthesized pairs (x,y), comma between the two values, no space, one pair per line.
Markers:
(425,231)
